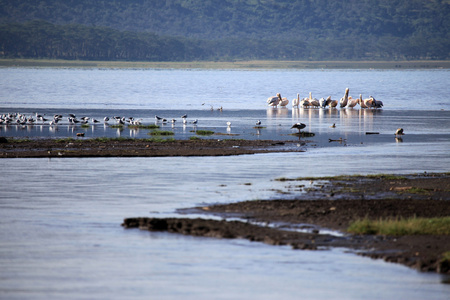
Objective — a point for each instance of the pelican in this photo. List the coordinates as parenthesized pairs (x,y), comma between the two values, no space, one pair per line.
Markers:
(378,103)
(399,132)
(296,101)
(352,102)
(274,101)
(344,100)
(284,101)
(361,102)
(298,126)
(323,102)
(313,101)
(305,102)
(332,103)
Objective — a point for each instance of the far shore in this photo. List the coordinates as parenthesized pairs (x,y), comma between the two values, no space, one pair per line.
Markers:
(244,65)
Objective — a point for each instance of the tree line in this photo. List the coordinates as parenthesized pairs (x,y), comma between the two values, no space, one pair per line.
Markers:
(41,39)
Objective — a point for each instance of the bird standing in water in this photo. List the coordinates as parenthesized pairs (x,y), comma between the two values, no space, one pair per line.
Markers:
(399,132)
(298,126)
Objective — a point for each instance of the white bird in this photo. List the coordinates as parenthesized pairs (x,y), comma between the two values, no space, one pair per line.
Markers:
(284,101)
(352,102)
(298,126)
(313,101)
(258,122)
(332,103)
(274,101)
(296,101)
(323,102)
(361,102)
(173,121)
(344,100)
(229,124)
(106,119)
(305,102)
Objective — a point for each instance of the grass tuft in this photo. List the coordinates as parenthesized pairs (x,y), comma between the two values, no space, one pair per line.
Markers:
(150,126)
(161,132)
(401,226)
(204,132)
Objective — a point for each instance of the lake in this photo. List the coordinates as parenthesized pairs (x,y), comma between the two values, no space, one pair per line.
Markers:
(60,218)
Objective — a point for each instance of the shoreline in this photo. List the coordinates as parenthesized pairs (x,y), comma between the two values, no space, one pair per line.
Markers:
(131,147)
(243,65)
(337,202)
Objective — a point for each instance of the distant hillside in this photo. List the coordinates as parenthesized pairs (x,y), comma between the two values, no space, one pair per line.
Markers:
(232,29)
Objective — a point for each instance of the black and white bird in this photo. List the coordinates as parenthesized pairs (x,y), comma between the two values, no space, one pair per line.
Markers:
(298,126)
(258,122)
(195,122)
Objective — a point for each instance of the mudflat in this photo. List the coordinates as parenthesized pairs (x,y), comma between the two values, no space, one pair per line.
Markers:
(121,147)
(307,222)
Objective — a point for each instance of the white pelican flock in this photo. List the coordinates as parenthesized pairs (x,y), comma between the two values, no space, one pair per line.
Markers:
(309,102)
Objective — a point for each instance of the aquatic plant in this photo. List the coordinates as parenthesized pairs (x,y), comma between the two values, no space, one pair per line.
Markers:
(149,126)
(161,132)
(204,132)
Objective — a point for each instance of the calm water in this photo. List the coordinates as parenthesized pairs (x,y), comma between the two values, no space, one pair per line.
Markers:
(60,219)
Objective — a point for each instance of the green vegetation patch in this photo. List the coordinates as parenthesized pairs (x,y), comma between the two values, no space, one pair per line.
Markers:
(204,132)
(149,126)
(161,132)
(401,226)
(116,126)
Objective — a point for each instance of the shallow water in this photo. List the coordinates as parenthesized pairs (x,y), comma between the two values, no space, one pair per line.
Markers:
(60,218)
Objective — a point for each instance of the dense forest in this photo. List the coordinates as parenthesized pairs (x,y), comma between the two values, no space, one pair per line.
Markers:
(186,30)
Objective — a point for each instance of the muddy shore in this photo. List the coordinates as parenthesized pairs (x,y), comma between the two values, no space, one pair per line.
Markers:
(305,224)
(11,148)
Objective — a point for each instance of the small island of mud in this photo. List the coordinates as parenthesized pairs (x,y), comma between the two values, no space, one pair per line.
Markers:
(338,201)
(129,147)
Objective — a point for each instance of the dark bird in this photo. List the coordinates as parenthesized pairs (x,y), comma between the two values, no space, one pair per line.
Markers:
(298,126)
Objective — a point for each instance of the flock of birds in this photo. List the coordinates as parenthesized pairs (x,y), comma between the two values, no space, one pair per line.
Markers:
(345,102)
(23,119)
(310,102)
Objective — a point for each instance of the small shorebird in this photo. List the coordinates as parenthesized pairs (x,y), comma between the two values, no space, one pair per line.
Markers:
(195,122)
(298,126)
(229,124)
(399,132)
(258,122)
